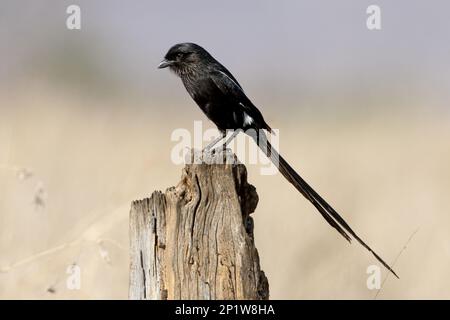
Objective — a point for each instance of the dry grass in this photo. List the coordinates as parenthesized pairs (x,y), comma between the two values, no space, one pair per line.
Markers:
(70,168)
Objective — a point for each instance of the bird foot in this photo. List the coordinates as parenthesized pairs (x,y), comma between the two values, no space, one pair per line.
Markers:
(211,151)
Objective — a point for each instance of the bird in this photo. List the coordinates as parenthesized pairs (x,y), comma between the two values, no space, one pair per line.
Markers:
(223,100)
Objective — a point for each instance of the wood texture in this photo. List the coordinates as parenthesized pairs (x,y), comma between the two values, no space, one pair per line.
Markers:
(195,241)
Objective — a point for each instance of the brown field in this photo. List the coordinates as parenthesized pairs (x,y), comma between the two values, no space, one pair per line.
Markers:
(70,166)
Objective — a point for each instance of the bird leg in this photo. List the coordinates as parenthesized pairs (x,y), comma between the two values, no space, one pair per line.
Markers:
(225,144)
(234,134)
(215,141)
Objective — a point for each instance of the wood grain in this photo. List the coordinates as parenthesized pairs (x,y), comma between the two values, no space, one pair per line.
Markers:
(195,241)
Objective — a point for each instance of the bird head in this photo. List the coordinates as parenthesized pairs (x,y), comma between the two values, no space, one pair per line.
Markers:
(184,56)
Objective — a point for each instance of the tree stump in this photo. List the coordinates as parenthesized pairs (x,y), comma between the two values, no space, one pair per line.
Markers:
(195,241)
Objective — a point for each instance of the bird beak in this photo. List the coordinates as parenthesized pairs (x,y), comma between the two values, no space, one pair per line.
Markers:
(164,64)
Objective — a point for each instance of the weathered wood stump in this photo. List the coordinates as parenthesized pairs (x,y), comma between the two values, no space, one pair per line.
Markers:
(195,241)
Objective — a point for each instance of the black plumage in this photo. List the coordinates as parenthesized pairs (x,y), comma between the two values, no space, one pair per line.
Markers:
(222,99)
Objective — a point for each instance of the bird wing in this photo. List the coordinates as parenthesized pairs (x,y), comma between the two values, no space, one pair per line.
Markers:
(231,88)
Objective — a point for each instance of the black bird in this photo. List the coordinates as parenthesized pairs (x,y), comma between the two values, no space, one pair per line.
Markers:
(222,99)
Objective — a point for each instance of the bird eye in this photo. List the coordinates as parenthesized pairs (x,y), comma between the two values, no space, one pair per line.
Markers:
(179,55)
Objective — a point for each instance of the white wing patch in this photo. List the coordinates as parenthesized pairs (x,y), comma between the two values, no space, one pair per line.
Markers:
(247,119)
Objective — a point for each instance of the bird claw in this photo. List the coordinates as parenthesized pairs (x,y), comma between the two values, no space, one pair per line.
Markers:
(210,151)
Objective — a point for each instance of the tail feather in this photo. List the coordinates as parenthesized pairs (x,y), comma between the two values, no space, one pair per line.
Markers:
(330,215)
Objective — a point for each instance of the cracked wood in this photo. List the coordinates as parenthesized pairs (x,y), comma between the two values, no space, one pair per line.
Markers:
(195,241)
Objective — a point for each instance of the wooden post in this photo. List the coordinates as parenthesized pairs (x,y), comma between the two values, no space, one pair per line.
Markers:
(195,241)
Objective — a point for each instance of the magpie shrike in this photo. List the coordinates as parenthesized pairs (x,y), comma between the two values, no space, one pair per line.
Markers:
(222,99)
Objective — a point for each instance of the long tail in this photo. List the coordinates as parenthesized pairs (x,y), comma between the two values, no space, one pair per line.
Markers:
(329,214)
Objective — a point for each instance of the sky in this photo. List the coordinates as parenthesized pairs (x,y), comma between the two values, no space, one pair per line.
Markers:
(286,50)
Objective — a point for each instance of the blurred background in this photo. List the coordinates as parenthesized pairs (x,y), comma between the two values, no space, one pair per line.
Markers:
(86,119)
